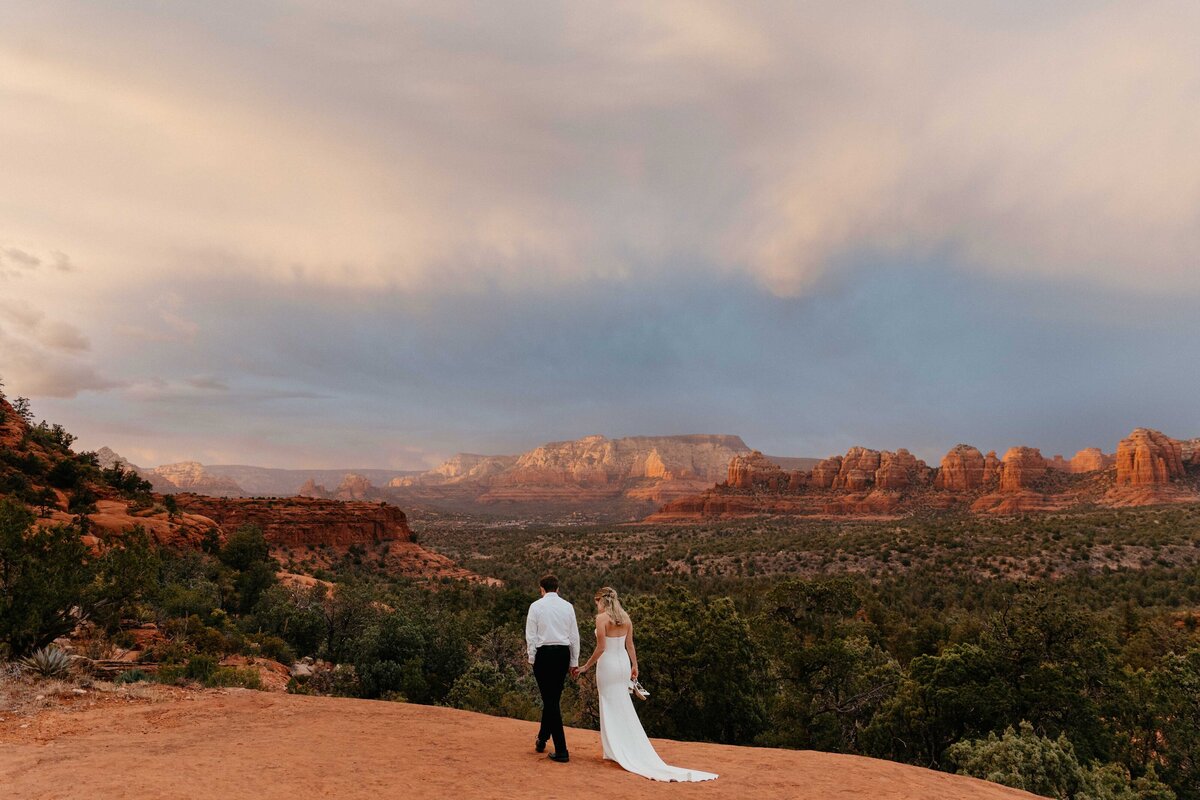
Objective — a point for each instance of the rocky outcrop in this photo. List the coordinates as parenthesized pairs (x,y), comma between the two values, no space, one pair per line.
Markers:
(591,470)
(755,471)
(1149,468)
(1021,469)
(311,488)
(857,470)
(460,468)
(900,470)
(826,472)
(300,521)
(1148,458)
(1091,459)
(353,487)
(600,460)
(961,470)
(191,476)
(107,458)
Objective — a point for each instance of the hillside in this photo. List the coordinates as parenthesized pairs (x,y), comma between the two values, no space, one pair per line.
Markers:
(106,497)
(280,747)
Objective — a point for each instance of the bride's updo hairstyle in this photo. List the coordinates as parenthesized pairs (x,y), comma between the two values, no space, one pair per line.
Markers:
(607,597)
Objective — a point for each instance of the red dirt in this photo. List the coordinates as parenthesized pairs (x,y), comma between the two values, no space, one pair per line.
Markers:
(237,743)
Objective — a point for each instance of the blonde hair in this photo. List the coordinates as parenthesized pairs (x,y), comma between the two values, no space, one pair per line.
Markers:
(607,597)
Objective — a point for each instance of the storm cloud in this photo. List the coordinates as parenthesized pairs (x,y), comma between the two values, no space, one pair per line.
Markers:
(392,231)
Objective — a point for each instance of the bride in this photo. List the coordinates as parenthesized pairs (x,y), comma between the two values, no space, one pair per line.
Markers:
(621,732)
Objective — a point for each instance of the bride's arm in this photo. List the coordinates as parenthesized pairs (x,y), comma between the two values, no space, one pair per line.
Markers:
(598,650)
(633,672)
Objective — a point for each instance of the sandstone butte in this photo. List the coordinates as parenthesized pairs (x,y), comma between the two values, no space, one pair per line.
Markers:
(274,746)
(1148,468)
(591,469)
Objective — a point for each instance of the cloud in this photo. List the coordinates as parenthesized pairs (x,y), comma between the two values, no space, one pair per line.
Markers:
(457,148)
(208,383)
(31,323)
(29,369)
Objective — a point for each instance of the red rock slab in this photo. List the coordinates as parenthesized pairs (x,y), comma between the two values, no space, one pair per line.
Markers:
(265,746)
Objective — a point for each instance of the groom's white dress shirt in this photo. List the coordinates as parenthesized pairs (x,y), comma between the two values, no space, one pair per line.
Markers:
(551,620)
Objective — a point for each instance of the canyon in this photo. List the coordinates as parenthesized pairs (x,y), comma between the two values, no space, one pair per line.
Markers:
(1147,468)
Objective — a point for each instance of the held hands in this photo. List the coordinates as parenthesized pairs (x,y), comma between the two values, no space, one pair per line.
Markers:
(575,671)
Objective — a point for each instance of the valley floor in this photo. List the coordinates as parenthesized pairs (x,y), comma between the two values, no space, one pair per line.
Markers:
(239,743)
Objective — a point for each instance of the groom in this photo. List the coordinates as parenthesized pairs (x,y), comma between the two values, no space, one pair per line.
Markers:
(553,638)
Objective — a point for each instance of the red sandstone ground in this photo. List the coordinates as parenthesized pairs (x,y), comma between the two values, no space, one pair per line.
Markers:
(243,744)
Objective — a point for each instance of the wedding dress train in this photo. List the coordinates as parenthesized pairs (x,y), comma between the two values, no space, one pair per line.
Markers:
(621,731)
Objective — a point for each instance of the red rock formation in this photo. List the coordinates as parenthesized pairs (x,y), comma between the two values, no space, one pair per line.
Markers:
(353,487)
(991,469)
(1022,468)
(1190,450)
(900,470)
(961,470)
(191,476)
(826,472)
(299,521)
(858,469)
(755,471)
(1057,462)
(1147,457)
(1091,459)
(311,488)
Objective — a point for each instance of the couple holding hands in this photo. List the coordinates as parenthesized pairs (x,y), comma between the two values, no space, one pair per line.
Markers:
(552,636)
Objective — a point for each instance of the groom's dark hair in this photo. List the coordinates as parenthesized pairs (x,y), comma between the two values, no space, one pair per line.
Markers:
(549,583)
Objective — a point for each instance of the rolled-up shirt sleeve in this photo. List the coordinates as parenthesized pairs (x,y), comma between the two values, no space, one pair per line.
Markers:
(574,639)
(531,632)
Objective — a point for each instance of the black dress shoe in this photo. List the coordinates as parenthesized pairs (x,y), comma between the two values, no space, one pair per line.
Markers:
(564,758)
(539,745)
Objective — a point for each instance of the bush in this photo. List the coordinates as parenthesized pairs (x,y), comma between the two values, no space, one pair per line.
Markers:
(1049,767)
(49,662)
(44,576)
(200,668)
(132,676)
(233,676)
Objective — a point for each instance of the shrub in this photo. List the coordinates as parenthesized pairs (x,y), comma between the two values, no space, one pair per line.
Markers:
(132,676)
(49,662)
(44,577)
(233,676)
(200,668)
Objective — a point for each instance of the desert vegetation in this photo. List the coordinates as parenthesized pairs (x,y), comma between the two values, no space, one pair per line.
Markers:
(1057,653)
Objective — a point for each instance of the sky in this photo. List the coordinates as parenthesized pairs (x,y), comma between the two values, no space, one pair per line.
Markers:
(369,234)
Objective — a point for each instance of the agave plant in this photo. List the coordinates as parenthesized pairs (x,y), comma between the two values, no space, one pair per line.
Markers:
(49,662)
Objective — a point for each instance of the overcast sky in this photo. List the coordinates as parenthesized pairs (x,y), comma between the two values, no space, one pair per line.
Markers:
(374,234)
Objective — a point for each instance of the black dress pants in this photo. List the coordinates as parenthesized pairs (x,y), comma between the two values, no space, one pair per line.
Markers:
(550,665)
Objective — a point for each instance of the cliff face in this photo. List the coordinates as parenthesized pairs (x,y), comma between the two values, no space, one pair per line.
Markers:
(1147,457)
(1021,469)
(299,521)
(961,470)
(594,469)
(191,476)
(1149,468)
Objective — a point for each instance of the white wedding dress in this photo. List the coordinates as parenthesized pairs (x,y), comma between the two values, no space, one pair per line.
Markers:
(621,731)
